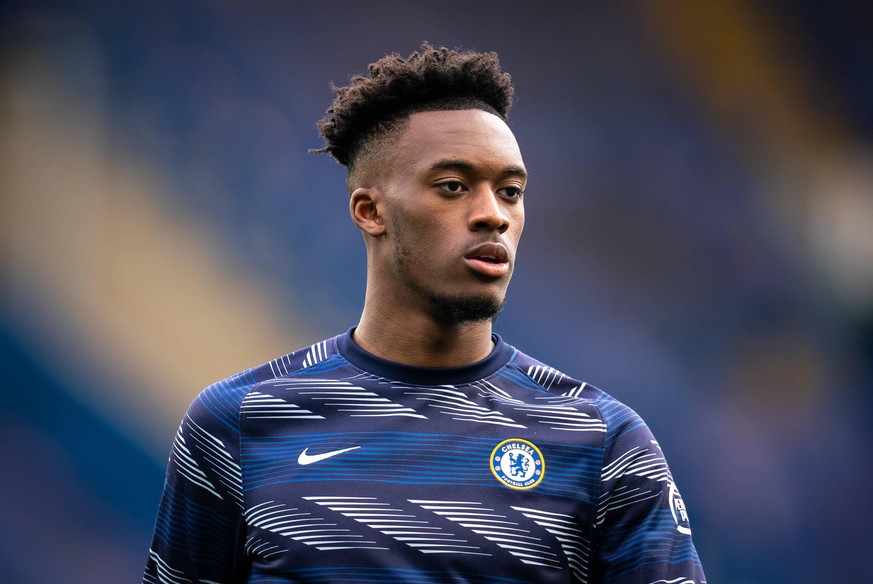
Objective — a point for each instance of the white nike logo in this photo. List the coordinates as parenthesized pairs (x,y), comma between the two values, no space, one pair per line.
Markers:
(305,458)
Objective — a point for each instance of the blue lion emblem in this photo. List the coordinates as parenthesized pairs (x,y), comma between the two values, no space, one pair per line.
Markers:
(519,464)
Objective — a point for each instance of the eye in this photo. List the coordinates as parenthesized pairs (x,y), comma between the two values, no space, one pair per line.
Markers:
(511,192)
(452,186)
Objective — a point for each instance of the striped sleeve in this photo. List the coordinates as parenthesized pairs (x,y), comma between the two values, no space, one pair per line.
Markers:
(199,532)
(642,526)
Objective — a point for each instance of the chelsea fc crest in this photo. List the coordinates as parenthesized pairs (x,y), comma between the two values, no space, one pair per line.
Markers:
(518,464)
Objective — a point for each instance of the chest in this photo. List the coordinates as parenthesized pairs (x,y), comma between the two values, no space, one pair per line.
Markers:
(339,474)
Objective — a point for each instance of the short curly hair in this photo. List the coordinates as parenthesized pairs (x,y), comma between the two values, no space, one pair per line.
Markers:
(369,108)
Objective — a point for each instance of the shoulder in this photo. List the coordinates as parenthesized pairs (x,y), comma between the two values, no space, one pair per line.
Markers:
(618,418)
(220,402)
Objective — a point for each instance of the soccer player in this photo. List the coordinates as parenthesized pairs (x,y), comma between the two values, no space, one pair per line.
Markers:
(419,446)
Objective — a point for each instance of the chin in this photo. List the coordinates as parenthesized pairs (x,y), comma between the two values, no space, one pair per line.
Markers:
(463,309)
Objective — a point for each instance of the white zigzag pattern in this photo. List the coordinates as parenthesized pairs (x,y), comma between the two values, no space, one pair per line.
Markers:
(576,546)
(453,402)
(220,461)
(304,527)
(576,391)
(545,375)
(496,528)
(188,467)
(622,497)
(556,412)
(165,573)
(264,406)
(317,353)
(399,524)
(638,462)
(346,397)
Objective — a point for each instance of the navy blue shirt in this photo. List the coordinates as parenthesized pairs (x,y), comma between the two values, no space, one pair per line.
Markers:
(332,465)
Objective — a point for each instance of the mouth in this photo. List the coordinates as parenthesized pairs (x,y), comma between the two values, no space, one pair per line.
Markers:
(488,259)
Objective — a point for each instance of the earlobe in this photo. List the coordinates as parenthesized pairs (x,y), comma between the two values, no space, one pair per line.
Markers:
(365,206)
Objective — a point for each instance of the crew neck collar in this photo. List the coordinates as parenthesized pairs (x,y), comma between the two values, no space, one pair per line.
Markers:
(354,354)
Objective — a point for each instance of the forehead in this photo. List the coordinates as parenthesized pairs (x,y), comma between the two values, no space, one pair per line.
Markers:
(474,136)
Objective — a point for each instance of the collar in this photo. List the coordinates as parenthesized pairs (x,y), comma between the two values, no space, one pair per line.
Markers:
(501,354)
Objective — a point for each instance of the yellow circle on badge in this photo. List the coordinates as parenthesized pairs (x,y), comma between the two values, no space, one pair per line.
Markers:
(518,464)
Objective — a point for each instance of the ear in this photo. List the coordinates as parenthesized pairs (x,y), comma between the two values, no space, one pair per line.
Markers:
(365,206)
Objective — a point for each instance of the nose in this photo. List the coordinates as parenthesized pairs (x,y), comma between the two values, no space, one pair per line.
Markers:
(487,212)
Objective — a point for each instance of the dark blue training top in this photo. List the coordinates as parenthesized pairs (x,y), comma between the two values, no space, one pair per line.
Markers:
(332,465)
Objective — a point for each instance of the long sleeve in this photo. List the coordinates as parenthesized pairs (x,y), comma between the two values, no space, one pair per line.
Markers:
(200,530)
(643,531)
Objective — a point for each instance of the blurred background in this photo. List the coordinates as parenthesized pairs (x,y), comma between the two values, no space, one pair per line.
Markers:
(699,243)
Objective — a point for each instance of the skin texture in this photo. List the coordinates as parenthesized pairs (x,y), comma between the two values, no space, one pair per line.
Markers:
(443,205)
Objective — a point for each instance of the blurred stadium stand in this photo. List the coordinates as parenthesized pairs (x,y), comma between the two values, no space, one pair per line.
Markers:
(698,243)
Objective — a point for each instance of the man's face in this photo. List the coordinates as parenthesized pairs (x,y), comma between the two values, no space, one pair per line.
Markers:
(454,214)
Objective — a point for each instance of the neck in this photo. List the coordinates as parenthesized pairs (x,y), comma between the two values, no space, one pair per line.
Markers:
(422,341)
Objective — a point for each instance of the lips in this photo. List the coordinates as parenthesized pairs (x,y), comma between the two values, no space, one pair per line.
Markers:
(489,259)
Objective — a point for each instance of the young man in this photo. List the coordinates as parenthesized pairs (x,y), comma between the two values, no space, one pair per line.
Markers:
(419,446)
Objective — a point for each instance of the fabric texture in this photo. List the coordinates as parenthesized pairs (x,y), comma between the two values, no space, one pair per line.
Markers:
(330,464)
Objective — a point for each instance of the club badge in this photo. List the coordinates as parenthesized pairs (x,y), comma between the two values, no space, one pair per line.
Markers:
(518,464)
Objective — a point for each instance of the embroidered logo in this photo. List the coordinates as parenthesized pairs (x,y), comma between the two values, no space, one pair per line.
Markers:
(518,464)
(306,458)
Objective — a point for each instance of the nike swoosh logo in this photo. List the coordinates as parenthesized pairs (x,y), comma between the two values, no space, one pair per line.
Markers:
(305,458)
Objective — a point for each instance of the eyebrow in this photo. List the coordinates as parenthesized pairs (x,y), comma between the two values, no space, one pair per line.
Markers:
(453,164)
